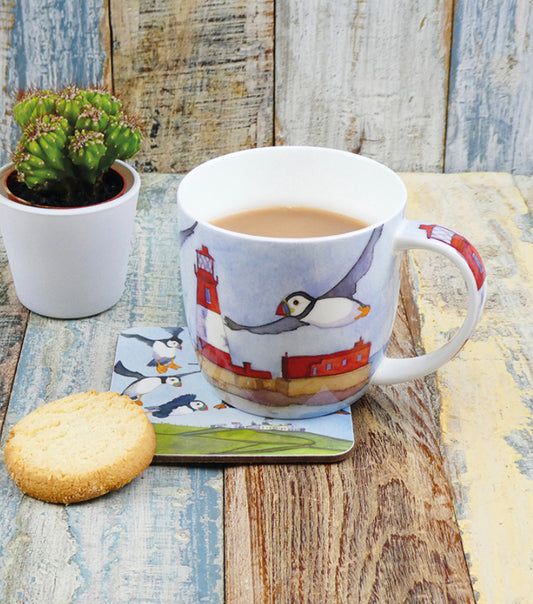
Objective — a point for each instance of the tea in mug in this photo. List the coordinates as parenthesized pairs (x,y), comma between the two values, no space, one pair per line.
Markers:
(290,221)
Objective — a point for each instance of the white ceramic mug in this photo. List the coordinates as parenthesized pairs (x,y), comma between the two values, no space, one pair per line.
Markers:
(315,361)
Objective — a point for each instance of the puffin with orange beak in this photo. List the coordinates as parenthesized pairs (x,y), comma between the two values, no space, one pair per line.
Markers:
(336,308)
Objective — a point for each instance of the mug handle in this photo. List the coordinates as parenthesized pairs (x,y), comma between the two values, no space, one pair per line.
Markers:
(412,235)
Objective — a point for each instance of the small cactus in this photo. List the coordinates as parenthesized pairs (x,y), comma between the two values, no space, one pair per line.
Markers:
(69,141)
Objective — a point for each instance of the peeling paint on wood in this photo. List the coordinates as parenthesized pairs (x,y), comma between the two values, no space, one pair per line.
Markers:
(489,115)
(487,391)
(200,75)
(13,319)
(369,77)
(525,184)
(56,42)
(7,20)
(49,44)
(363,76)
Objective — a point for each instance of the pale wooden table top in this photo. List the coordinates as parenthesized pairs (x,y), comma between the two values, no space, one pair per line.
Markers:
(434,505)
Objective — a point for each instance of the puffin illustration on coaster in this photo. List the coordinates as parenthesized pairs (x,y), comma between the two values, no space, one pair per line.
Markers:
(158,368)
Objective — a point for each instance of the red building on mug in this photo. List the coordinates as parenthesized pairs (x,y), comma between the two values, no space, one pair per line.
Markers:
(300,375)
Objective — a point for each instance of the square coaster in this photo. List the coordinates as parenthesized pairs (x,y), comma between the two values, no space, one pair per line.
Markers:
(157,367)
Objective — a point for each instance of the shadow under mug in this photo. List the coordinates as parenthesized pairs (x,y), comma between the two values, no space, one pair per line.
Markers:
(299,327)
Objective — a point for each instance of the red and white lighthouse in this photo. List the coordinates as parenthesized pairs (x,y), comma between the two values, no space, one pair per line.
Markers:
(209,323)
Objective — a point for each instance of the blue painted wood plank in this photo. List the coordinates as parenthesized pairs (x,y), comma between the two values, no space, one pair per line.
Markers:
(56,42)
(49,44)
(490,96)
(159,538)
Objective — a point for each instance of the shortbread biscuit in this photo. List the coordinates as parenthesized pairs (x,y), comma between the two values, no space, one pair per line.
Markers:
(80,447)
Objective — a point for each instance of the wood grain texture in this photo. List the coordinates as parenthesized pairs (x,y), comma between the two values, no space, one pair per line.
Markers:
(49,44)
(160,537)
(491,88)
(200,75)
(486,393)
(356,75)
(369,77)
(13,319)
(525,185)
(7,21)
(377,527)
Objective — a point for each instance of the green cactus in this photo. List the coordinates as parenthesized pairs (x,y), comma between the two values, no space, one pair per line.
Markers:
(69,141)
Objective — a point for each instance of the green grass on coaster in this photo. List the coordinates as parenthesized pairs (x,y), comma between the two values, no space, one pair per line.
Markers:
(187,440)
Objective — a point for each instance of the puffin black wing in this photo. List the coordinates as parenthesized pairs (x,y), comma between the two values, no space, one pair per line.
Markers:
(121,370)
(166,409)
(180,375)
(137,336)
(279,326)
(175,332)
(184,399)
(347,286)
(186,233)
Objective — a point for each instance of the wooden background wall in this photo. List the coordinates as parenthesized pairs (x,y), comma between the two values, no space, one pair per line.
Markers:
(421,85)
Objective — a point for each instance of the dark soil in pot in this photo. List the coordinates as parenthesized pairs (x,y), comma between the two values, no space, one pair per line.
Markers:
(111,186)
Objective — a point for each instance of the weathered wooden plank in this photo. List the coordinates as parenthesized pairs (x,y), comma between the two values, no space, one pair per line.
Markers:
(48,44)
(354,75)
(200,75)
(489,125)
(7,19)
(13,316)
(369,77)
(377,527)
(160,537)
(525,184)
(486,393)
(13,319)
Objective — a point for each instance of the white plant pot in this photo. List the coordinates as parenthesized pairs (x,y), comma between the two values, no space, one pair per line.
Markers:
(69,262)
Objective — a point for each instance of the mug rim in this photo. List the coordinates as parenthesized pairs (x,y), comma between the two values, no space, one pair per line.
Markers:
(187,205)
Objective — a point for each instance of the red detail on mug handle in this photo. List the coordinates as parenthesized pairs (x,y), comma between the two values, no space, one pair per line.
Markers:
(462,245)
(412,235)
